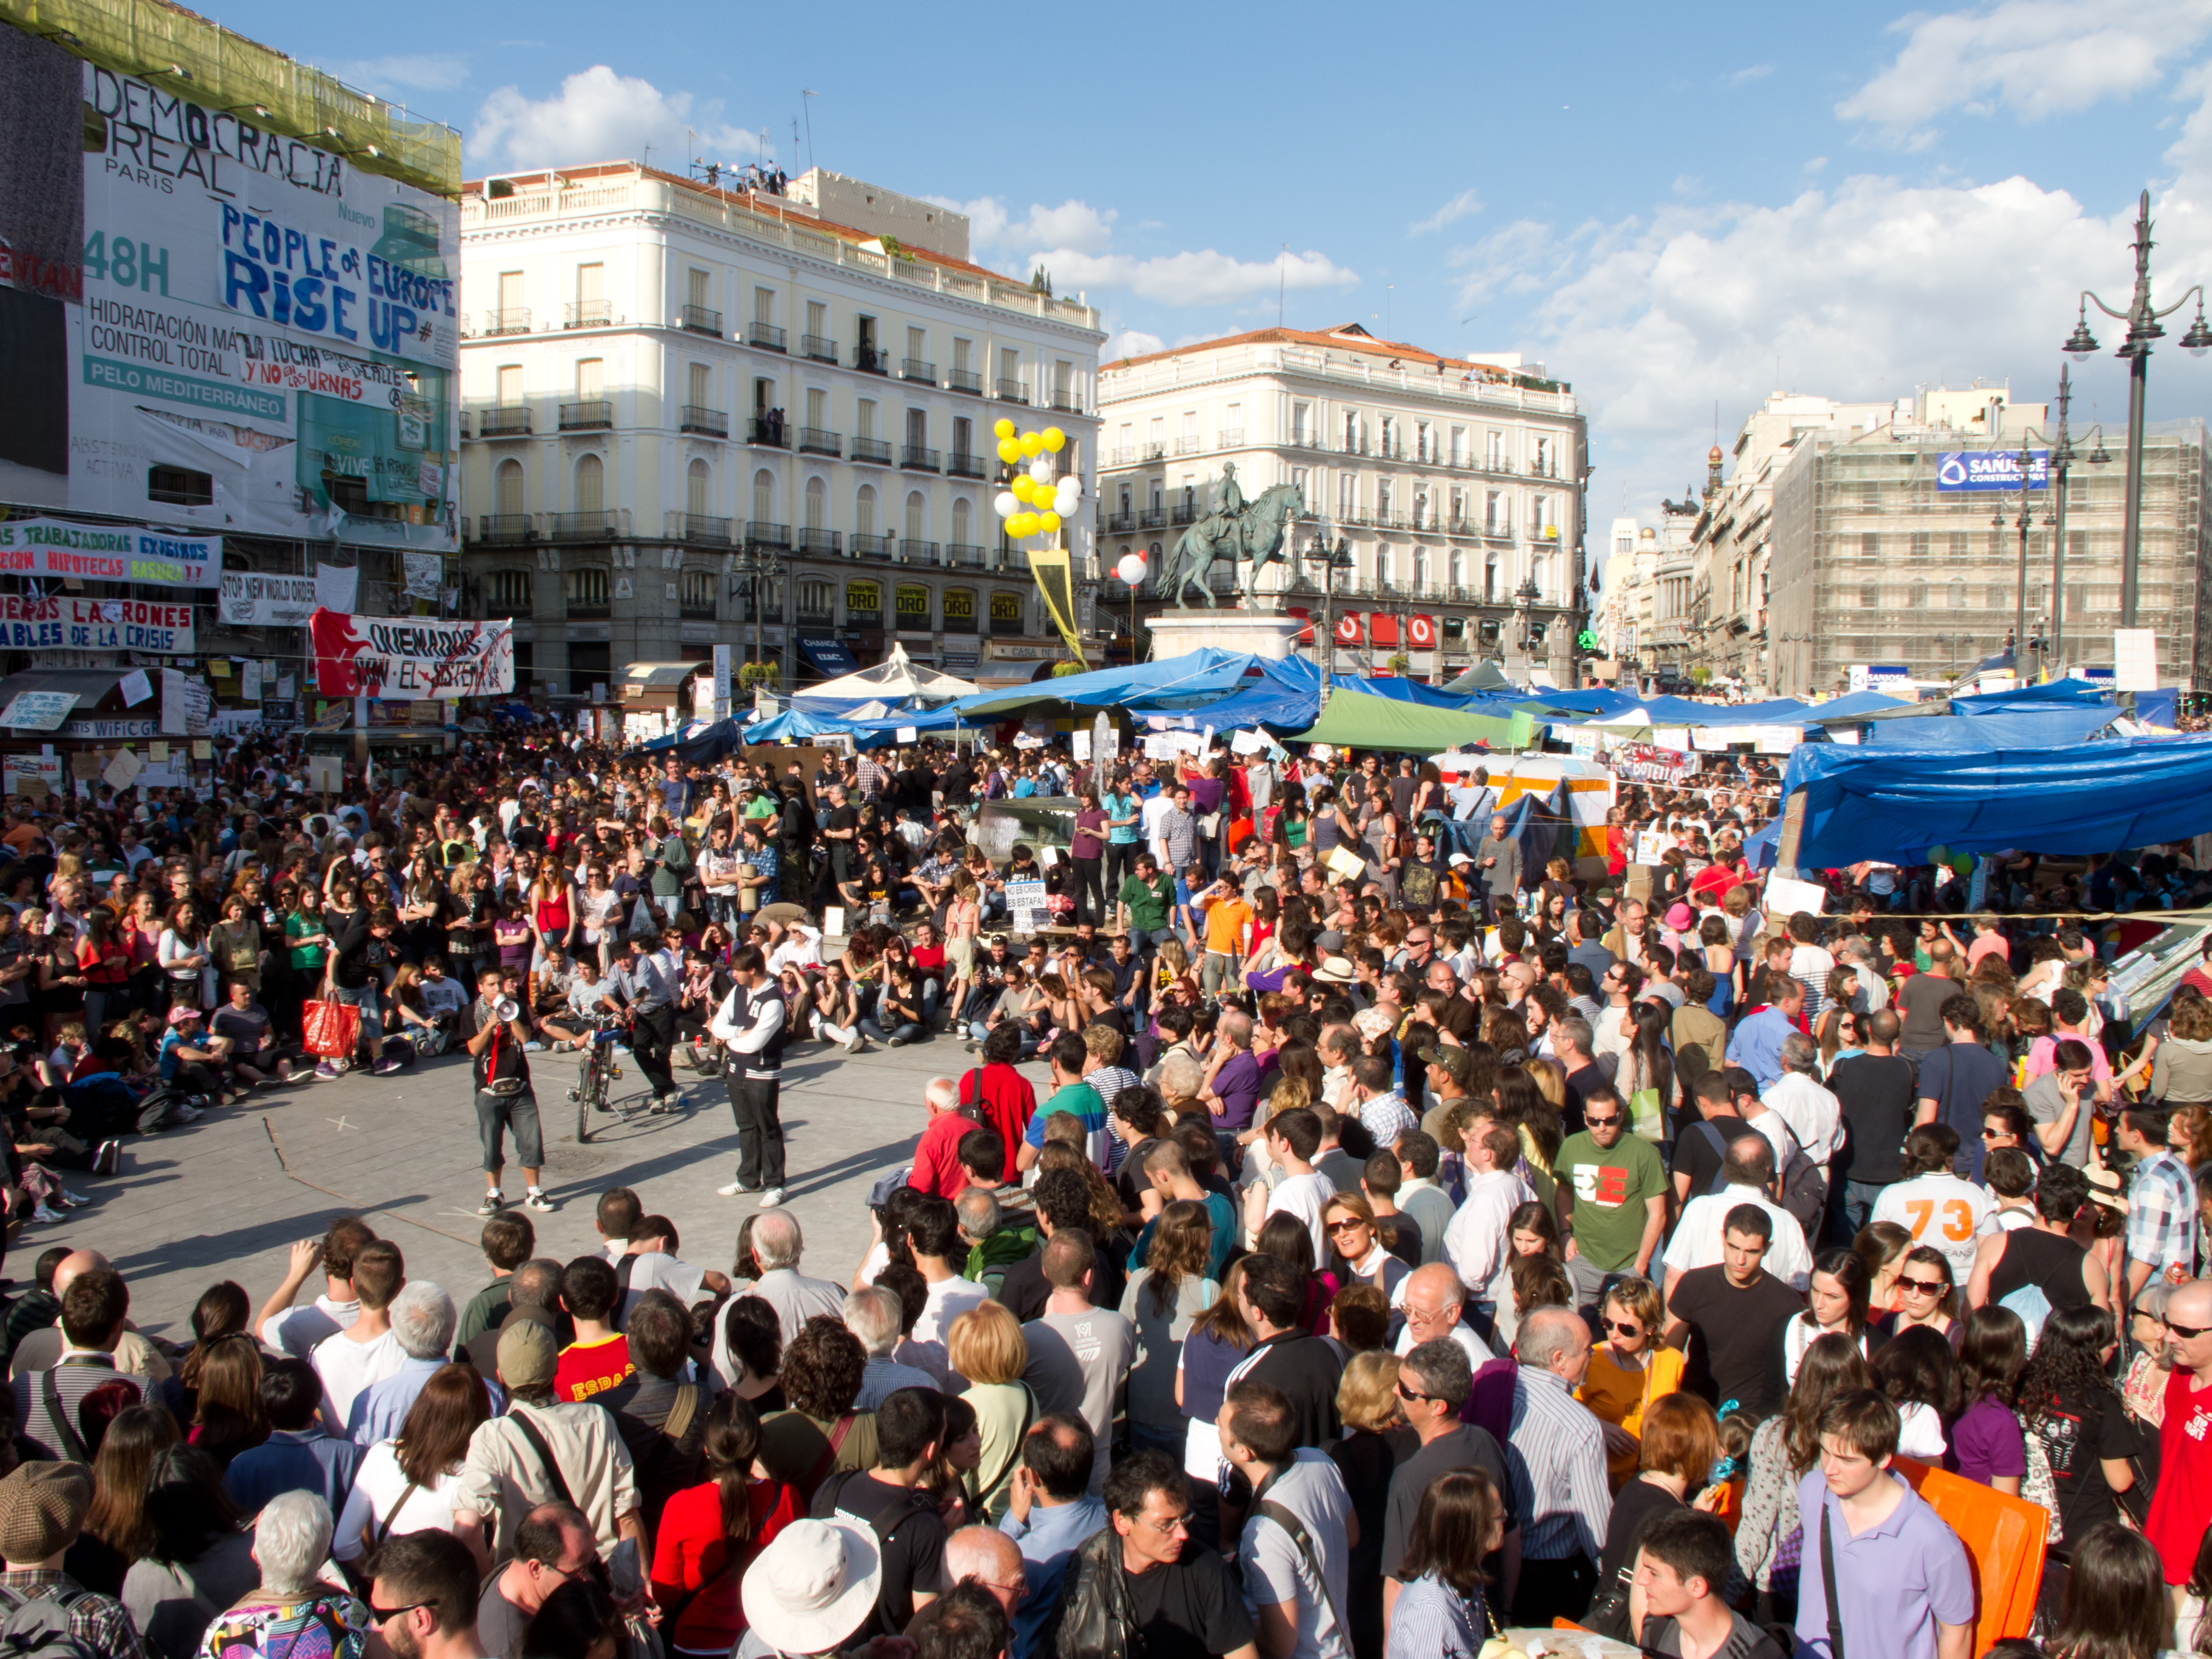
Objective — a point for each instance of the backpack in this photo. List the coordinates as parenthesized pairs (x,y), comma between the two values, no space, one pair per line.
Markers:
(38,1628)
(1804,1190)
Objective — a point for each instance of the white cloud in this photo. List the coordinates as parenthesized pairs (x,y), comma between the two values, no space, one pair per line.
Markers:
(601,116)
(1205,277)
(1459,206)
(419,72)
(2036,57)
(1072,224)
(1130,342)
(1744,77)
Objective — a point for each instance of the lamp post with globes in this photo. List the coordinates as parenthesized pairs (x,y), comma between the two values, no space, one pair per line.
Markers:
(2143,320)
(1331,557)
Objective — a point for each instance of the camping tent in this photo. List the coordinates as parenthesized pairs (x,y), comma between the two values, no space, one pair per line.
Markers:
(1357,720)
(1894,803)
(1484,676)
(894,680)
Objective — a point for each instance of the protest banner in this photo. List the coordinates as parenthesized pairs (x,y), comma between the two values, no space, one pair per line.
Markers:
(408,659)
(1645,762)
(251,599)
(67,624)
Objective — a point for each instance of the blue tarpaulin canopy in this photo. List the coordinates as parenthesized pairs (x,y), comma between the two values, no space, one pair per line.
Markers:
(792,726)
(1286,696)
(1853,706)
(1185,683)
(1892,803)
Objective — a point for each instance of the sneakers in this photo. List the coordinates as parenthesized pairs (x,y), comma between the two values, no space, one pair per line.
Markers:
(107,1159)
(324,1071)
(493,1204)
(670,1102)
(895,1042)
(735,1189)
(40,1212)
(771,1197)
(185,1114)
(385,1067)
(533,1048)
(535,1199)
(70,1201)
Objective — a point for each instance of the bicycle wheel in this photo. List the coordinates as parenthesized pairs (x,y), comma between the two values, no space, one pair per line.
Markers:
(583,1092)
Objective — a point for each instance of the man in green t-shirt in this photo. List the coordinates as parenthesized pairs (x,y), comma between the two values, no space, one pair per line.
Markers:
(1613,1196)
(1145,899)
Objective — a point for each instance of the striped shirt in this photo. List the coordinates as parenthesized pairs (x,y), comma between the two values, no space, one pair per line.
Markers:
(1555,1455)
(2162,1215)
(1431,1621)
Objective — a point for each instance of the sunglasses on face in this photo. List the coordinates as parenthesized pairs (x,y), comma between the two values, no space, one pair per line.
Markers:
(1924,1286)
(1410,1394)
(1589,1123)
(1997,1134)
(1624,1327)
(1350,1223)
(2186,1332)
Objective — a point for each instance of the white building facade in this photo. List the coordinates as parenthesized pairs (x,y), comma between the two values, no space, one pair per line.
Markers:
(1455,485)
(678,397)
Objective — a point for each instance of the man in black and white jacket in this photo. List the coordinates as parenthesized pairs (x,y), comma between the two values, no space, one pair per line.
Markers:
(750,1024)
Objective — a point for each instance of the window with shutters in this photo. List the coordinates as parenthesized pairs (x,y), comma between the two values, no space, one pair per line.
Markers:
(864,511)
(510,385)
(590,485)
(1916,596)
(1961,547)
(1919,547)
(764,496)
(590,378)
(699,287)
(510,593)
(698,490)
(1493,451)
(764,305)
(917,516)
(817,503)
(511,496)
(696,596)
(961,513)
(585,591)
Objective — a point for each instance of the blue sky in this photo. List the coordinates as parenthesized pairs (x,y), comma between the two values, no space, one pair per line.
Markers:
(1670,208)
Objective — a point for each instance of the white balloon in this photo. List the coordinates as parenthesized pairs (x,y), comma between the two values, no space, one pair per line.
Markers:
(1005,504)
(1065,499)
(1131,570)
(1041,470)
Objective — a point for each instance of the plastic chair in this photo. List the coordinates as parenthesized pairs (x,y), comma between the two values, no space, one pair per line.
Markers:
(2005,1539)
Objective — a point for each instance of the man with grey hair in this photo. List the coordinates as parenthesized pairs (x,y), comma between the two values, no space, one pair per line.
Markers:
(987,1559)
(422,1320)
(995,1240)
(1555,1454)
(873,1315)
(1231,1090)
(777,1246)
(1570,1047)
(1812,1113)
(936,1166)
(1857,954)
(291,1540)
(1434,1381)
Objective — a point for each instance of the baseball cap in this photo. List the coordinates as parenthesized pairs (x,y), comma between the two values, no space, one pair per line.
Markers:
(1453,1060)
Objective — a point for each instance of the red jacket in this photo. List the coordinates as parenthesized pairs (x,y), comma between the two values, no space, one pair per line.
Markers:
(937,1156)
(1008,1104)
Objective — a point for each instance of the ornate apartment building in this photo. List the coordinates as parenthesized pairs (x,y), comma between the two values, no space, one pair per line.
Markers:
(694,414)
(1457,486)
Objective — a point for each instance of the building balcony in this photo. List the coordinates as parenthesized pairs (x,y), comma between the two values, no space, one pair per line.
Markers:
(1152,517)
(507,527)
(1155,450)
(812,539)
(513,422)
(871,360)
(595,415)
(690,611)
(874,451)
(820,347)
(714,422)
(588,610)
(817,616)
(866,546)
(959,465)
(1003,627)
(1230,437)
(767,335)
(514,321)
(960,625)
(918,458)
(814,440)
(1190,444)
(1011,392)
(703,531)
(913,369)
(698,320)
(966,379)
(587,313)
(581,526)
(759,532)
(1065,402)
(1014,558)
(911,551)
(772,435)
(1118,524)
(967,554)
(1183,512)
(1125,456)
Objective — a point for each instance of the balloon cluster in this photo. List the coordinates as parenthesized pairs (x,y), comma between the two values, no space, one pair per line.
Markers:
(1032,503)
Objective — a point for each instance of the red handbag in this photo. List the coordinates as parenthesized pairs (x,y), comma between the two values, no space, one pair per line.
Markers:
(330,1030)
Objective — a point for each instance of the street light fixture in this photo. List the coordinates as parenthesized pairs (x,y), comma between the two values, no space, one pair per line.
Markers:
(1331,558)
(2142,318)
(2062,457)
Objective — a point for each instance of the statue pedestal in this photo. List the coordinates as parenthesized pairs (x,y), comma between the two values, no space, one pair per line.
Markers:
(1176,633)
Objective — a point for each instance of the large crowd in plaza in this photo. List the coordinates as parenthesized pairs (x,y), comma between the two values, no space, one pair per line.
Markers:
(1359,1222)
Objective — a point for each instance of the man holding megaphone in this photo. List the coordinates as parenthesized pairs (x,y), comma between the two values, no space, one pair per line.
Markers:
(504,1098)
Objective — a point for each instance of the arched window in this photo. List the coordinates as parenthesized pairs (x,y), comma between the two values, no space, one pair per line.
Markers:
(1915,596)
(1458,571)
(1540,573)
(961,537)
(1956,598)
(698,490)
(817,503)
(764,496)
(1382,567)
(1421,569)
(917,516)
(511,487)
(1870,596)
(864,511)
(590,485)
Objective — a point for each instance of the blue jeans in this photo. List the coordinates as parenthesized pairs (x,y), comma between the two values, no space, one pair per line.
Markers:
(907,1032)
(371,1014)
(1859,1200)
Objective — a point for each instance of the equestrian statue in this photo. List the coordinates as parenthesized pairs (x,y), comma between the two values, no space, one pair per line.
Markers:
(1233,530)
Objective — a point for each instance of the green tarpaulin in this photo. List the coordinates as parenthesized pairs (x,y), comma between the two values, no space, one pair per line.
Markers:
(1353,719)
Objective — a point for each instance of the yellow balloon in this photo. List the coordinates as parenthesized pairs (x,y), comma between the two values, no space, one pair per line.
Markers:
(1023,525)
(1048,522)
(1022,487)
(1002,428)
(1055,439)
(1009,450)
(1032,445)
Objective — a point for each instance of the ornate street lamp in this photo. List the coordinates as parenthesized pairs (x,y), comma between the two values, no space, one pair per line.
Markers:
(1331,558)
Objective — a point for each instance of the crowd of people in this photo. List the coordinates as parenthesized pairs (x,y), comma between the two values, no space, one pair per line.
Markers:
(1359,1220)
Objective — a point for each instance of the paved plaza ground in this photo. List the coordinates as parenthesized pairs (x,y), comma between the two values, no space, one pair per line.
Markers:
(224,1198)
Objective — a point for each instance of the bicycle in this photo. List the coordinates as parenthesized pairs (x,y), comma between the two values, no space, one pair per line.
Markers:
(595,1078)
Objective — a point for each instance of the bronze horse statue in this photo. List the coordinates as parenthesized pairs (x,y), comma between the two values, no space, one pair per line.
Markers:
(1256,535)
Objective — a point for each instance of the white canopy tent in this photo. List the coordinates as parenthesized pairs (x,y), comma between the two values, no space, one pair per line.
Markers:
(891,682)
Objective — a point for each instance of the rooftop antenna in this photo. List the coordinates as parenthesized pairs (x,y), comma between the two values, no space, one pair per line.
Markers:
(808,110)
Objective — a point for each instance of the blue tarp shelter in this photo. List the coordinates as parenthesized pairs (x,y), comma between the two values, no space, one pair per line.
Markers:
(1179,683)
(1892,803)
(792,726)
(1284,697)
(1853,706)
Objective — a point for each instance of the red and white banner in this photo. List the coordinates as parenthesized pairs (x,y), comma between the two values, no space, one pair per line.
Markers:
(1644,763)
(1305,616)
(66,624)
(408,659)
(1422,633)
(1347,628)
